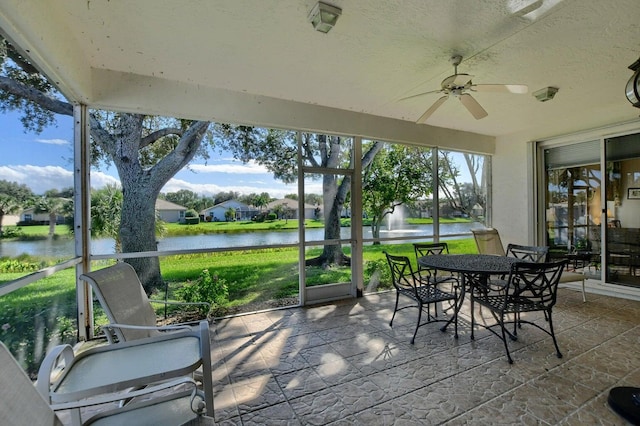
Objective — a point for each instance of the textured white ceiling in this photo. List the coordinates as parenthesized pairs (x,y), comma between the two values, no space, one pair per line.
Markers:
(379,52)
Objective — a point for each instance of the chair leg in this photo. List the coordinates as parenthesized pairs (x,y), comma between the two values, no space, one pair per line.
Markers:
(473,317)
(394,310)
(553,336)
(584,294)
(504,338)
(455,324)
(413,339)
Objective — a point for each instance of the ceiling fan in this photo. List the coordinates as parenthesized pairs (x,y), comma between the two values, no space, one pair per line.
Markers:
(457,85)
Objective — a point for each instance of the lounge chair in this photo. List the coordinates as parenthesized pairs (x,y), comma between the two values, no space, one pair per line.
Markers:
(66,378)
(488,241)
(126,304)
(22,405)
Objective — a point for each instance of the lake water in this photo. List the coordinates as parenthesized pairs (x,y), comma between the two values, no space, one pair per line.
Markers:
(64,248)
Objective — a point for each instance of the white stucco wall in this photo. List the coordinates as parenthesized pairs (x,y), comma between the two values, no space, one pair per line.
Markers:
(513,191)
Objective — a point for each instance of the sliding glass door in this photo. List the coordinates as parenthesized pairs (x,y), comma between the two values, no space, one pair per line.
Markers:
(573,204)
(592,207)
(623,210)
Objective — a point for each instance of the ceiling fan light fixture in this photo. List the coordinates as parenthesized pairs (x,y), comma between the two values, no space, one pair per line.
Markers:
(545,94)
(324,16)
(633,85)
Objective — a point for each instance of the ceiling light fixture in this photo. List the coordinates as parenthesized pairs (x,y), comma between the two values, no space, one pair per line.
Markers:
(633,85)
(545,94)
(323,16)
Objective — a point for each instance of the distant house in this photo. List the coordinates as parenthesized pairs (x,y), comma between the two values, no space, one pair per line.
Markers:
(29,216)
(217,213)
(10,219)
(292,206)
(170,212)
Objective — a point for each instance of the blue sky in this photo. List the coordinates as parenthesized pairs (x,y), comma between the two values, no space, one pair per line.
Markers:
(44,161)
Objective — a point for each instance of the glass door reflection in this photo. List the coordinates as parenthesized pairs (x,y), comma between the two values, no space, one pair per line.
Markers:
(623,210)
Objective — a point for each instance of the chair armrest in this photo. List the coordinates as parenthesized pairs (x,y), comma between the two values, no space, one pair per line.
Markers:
(50,368)
(148,327)
(118,396)
(111,336)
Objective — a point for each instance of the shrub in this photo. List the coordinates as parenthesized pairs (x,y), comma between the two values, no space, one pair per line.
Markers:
(15,265)
(260,217)
(11,232)
(272,216)
(206,288)
(381,268)
(190,213)
(192,220)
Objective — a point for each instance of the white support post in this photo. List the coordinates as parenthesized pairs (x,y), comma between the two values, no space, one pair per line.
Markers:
(302,281)
(357,268)
(82,218)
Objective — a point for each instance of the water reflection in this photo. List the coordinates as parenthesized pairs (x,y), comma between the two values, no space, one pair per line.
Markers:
(64,248)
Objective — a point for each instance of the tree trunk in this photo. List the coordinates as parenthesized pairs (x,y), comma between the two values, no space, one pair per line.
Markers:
(140,189)
(375,229)
(334,197)
(137,231)
(52,224)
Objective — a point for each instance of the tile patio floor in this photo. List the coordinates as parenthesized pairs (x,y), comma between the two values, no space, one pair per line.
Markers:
(341,364)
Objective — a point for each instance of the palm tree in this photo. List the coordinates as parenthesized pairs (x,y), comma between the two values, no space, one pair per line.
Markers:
(8,205)
(106,211)
(54,206)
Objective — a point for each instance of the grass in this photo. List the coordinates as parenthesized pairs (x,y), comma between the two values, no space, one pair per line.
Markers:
(36,232)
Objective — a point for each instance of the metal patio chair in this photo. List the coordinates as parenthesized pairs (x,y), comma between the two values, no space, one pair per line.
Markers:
(531,287)
(534,254)
(431,275)
(409,284)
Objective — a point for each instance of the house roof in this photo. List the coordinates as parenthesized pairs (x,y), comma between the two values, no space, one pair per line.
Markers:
(224,204)
(168,205)
(262,63)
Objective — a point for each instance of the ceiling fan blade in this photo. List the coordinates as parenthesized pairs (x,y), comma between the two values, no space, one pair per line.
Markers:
(420,94)
(473,106)
(504,88)
(431,109)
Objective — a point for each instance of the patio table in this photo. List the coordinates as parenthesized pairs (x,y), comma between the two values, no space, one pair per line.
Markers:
(474,270)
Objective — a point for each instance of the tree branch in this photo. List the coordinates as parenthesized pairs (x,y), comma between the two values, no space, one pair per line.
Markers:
(35,96)
(152,137)
(16,57)
(182,154)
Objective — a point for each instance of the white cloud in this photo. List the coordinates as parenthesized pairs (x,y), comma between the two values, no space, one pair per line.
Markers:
(100,180)
(232,168)
(42,178)
(38,178)
(53,141)
(276,190)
